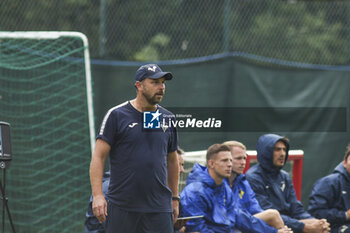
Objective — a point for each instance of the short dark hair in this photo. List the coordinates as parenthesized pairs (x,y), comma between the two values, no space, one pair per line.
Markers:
(215,149)
(180,151)
(347,152)
(284,140)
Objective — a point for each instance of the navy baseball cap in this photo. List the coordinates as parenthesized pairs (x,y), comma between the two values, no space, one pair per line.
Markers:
(152,71)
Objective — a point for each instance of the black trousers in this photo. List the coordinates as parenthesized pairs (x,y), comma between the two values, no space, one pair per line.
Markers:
(121,221)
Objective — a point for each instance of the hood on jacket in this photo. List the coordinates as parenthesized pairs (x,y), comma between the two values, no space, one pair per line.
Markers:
(200,173)
(341,169)
(264,148)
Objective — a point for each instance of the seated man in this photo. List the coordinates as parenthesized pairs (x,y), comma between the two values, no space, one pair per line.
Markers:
(242,191)
(207,194)
(330,197)
(274,188)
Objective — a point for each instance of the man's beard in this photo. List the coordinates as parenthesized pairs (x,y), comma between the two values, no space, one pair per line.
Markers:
(152,100)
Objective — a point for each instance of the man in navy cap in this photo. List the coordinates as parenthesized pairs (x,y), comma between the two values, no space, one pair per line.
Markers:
(143,189)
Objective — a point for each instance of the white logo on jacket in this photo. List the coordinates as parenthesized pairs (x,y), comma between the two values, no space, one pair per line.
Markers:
(283,186)
(132,125)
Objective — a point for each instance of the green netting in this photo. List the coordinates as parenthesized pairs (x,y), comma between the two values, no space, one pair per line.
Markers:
(43,95)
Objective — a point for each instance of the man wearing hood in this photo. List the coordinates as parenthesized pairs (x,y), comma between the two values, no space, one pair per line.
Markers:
(330,197)
(243,193)
(208,195)
(274,188)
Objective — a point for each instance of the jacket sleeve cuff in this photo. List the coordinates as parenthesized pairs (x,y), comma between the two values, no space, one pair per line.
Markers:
(295,224)
(299,227)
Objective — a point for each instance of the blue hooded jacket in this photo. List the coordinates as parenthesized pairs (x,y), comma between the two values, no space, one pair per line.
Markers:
(245,196)
(330,198)
(202,196)
(273,187)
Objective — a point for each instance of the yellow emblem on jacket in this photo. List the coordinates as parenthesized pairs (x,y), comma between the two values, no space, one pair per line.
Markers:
(241,193)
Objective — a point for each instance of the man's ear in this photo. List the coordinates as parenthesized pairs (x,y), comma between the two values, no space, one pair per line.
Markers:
(210,163)
(138,85)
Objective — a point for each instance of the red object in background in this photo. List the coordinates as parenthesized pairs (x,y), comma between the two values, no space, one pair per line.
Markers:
(296,156)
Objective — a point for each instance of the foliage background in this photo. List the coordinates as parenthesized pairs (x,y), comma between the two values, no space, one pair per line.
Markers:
(316,32)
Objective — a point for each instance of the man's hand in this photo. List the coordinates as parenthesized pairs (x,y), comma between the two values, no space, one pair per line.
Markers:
(99,207)
(325,225)
(175,210)
(315,225)
(285,229)
(99,204)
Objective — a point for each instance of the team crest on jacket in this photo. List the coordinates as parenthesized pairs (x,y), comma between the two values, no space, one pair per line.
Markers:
(283,186)
(241,193)
(164,127)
